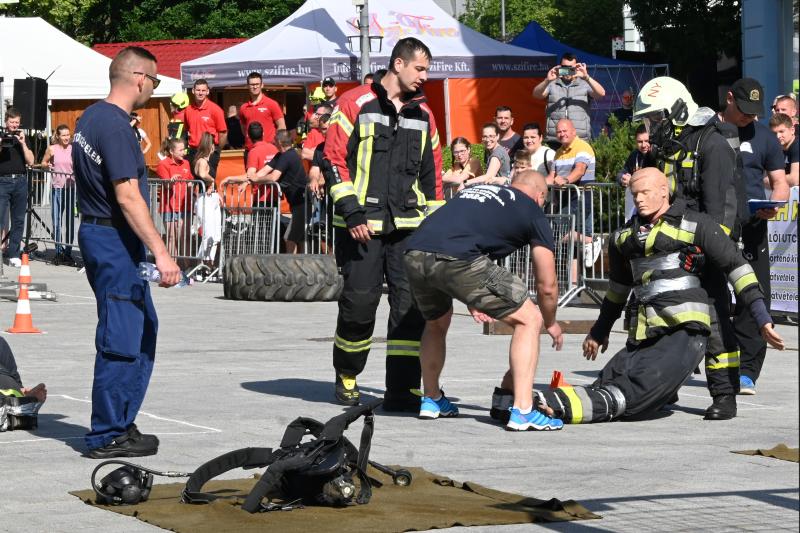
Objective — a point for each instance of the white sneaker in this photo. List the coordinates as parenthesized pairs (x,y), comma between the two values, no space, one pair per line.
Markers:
(591,251)
(15,262)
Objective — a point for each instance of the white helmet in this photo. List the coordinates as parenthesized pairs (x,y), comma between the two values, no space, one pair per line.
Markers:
(667,95)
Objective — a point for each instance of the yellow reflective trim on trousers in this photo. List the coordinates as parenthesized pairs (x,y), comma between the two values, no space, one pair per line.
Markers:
(401,342)
(352,346)
(723,360)
(364,160)
(641,324)
(575,404)
(409,348)
(343,122)
(679,318)
(745,281)
(340,190)
(406,353)
(11,392)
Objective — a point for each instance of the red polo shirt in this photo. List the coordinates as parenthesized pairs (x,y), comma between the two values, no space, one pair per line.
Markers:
(258,157)
(266,111)
(313,139)
(208,118)
(173,197)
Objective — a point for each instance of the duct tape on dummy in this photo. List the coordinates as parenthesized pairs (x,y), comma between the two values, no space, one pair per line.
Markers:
(18,411)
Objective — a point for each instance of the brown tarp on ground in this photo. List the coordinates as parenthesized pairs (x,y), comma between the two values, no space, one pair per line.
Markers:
(432,501)
(781,451)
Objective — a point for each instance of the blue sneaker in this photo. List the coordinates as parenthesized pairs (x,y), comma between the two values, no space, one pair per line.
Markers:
(746,386)
(534,420)
(430,408)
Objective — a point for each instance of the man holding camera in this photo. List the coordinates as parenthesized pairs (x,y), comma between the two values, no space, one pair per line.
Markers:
(14,156)
(568,89)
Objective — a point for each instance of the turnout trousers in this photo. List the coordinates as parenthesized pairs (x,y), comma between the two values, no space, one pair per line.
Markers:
(364,268)
(722,351)
(754,348)
(127,325)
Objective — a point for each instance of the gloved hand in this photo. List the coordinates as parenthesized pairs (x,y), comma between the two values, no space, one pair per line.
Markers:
(692,259)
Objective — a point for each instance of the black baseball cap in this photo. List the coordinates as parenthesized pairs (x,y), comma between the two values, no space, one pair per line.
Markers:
(328,82)
(749,96)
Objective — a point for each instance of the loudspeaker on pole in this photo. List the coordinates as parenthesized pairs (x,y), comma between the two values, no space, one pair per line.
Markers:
(30,97)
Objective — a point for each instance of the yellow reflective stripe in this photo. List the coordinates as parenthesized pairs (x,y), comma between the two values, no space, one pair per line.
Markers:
(375,225)
(420,197)
(397,342)
(409,222)
(725,229)
(575,404)
(343,122)
(340,190)
(641,324)
(402,347)
(338,221)
(679,234)
(623,236)
(432,205)
(408,353)
(352,346)
(745,281)
(435,140)
(723,360)
(679,318)
(11,392)
(364,160)
(646,277)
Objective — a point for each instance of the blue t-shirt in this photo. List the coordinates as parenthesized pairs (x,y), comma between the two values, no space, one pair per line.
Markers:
(484,220)
(761,152)
(105,149)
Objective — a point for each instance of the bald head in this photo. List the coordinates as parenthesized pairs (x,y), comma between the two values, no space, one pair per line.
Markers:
(565,131)
(531,183)
(650,190)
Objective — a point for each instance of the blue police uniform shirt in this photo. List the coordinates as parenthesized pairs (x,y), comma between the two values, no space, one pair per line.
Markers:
(761,152)
(483,220)
(105,149)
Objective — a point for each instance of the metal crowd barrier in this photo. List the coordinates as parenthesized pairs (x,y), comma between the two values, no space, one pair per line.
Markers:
(251,220)
(319,224)
(53,210)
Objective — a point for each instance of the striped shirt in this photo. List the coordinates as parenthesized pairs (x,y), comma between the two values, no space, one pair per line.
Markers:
(578,151)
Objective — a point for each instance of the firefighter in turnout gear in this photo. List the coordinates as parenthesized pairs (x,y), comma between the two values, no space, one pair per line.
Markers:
(383,172)
(673,326)
(697,153)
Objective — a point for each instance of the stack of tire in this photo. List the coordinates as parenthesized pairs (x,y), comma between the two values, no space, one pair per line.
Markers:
(282,278)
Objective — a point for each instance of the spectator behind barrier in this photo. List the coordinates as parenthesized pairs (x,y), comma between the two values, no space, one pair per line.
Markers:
(568,89)
(498,164)
(315,135)
(235,133)
(639,158)
(522,162)
(787,104)
(58,158)
(14,155)
(201,166)
(541,155)
(781,125)
(174,197)
(464,166)
(509,139)
(141,135)
(624,113)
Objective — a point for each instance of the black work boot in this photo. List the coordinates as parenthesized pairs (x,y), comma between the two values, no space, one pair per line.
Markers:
(502,401)
(401,401)
(346,390)
(723,408)
(124,446)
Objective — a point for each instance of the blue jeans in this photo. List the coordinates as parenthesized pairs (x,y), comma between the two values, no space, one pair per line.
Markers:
(127,326)
(63,200)
(13,198)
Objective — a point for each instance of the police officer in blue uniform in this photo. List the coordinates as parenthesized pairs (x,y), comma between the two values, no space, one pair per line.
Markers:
(115,228)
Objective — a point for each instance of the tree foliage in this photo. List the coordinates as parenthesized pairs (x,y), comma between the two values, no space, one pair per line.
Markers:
(585,24)
(104,21)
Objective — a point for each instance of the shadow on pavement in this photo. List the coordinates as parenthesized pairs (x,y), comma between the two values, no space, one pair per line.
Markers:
(51,426)
(309,390)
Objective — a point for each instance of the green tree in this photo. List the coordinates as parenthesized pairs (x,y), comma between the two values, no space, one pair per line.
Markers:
(692,35)
(484,16)
(103,21)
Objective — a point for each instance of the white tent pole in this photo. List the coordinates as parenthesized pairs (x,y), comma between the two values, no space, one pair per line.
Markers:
(448,129)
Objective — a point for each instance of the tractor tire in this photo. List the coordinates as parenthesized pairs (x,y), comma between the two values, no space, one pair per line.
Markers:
(282,278)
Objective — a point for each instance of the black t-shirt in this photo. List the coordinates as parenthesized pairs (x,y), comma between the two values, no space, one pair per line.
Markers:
(12,159)
(511,145)
(484,220)
(761,152)
(104,150)
(235,135)
(293,178)
(791,155)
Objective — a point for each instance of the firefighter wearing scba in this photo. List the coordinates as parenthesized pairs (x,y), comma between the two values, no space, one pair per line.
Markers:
(672,327)
(383,172)
(698,155)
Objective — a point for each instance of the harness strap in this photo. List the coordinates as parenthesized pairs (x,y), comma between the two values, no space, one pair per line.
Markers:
(243,458)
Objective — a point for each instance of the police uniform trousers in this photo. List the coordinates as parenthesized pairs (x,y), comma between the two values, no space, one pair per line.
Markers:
(722,352)
(753,346)
(364,268)
(126,328)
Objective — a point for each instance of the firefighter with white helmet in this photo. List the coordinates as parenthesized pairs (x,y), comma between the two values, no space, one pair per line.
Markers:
(698,154)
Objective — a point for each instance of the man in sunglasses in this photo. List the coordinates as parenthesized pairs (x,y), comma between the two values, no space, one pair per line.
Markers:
(111,178)
(761,155)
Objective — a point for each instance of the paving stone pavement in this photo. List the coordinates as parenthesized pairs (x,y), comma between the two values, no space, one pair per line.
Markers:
(233,374)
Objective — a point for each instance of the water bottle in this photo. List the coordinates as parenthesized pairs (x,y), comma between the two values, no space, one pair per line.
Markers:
(149,272)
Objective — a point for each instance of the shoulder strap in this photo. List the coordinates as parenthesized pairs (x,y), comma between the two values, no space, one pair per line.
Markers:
(243,458)
(547,151)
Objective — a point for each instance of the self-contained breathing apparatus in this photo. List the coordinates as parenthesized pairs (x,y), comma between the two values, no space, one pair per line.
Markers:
(326,469)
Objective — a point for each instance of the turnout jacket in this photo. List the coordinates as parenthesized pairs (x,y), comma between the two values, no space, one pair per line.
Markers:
(668,297)
(382,167)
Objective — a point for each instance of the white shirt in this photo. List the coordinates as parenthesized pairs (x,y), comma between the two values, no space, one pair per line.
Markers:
(542,160)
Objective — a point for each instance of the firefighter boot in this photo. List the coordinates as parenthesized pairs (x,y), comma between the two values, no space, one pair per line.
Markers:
(723,408)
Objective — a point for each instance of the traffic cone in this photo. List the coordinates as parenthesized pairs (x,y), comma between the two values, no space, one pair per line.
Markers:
(23,322)
(25,271)
(558,380)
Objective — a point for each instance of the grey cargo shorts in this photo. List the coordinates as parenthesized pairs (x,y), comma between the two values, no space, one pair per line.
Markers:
(436,279)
